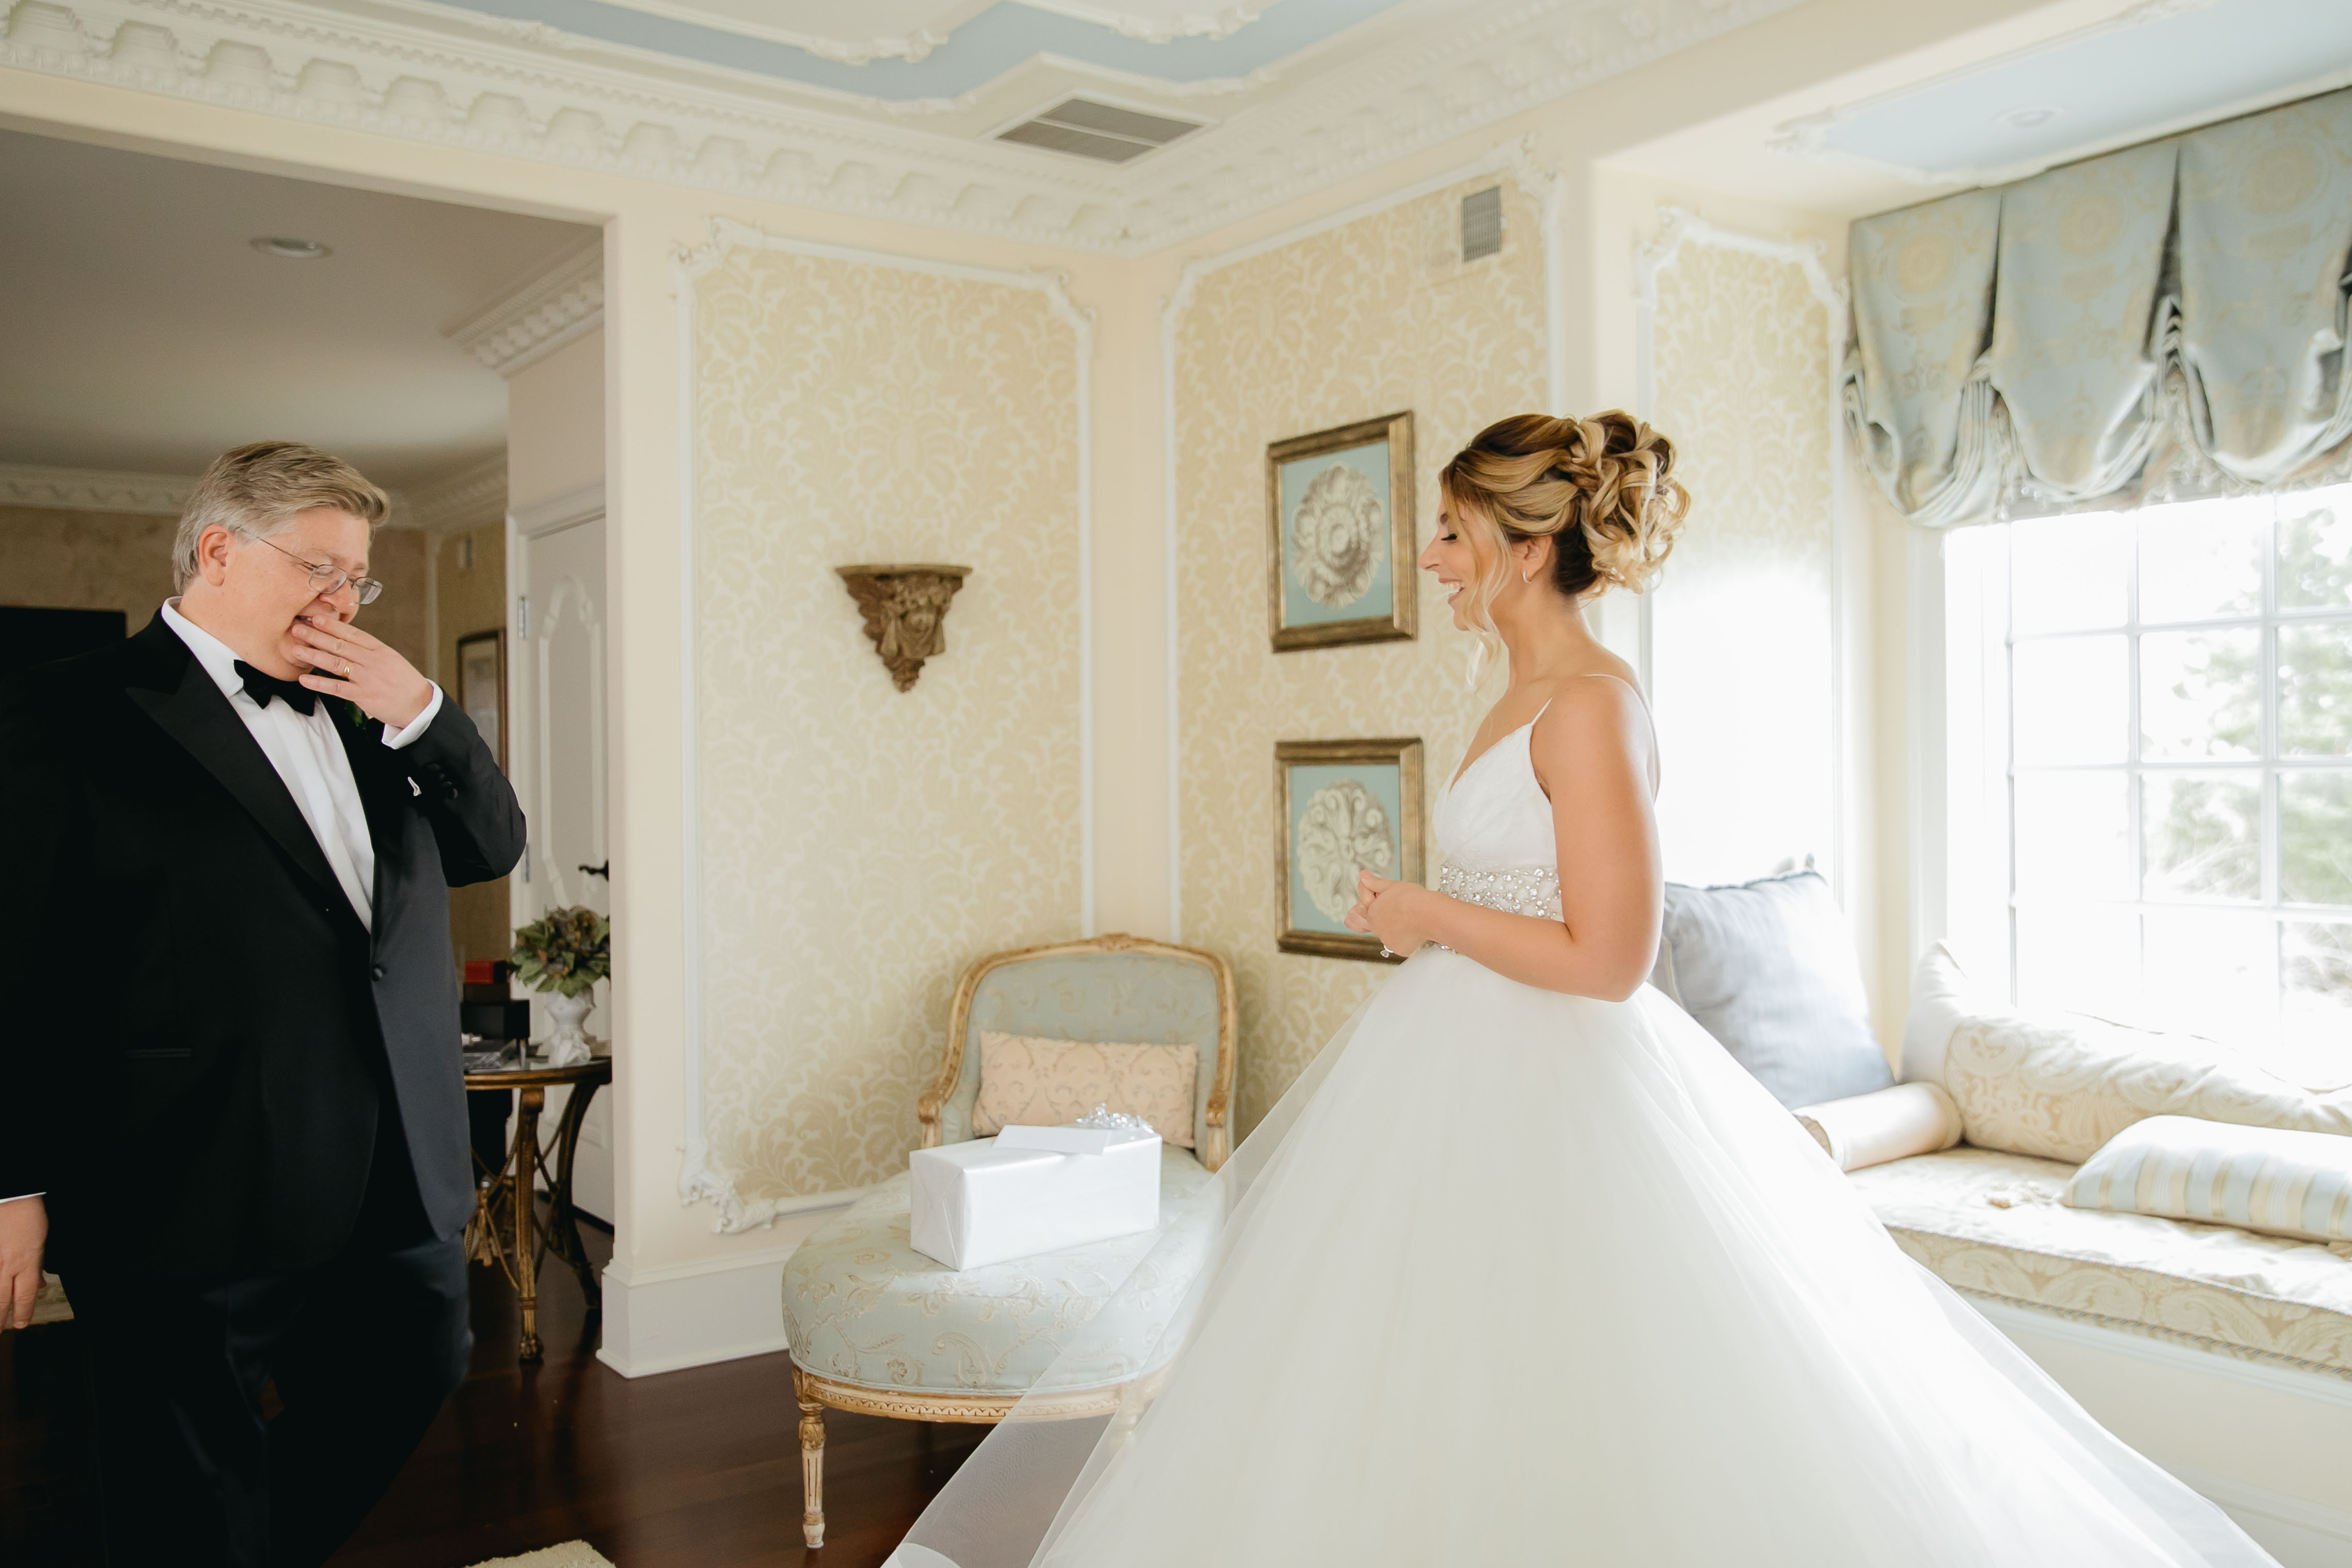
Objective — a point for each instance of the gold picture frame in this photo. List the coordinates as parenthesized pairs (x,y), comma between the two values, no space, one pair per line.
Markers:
(481,685)
(1342,806)
(1348,578)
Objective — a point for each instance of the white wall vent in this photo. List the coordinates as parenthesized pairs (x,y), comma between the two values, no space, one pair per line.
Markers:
(1482,224)
(1102,131)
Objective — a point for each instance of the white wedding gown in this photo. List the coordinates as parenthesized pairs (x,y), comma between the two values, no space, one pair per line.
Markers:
(1514,1277)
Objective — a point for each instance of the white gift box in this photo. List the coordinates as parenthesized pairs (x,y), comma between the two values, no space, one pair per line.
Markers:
(1031,1190)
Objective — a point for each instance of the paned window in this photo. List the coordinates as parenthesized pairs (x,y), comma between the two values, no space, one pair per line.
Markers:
(2149,789)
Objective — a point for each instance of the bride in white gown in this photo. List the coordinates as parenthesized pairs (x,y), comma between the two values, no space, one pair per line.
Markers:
(1525,1268)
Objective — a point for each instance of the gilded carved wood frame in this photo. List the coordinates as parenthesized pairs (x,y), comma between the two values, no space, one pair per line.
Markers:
(1214,1147)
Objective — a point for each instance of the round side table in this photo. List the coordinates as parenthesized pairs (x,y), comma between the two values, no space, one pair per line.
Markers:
(504,1228)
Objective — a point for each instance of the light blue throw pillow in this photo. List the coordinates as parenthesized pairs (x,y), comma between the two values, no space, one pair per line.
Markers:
(1767,969)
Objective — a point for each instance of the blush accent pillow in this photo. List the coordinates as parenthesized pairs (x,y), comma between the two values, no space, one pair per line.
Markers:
(1032,1083)
(2280,1180)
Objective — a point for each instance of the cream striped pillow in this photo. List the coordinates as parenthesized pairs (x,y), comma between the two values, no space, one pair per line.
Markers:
(2273,1179)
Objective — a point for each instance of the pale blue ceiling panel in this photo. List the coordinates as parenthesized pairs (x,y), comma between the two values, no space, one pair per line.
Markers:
(2104,86)
(984,48)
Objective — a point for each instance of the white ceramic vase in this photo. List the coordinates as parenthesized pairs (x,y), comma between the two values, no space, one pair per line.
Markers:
(567,1042)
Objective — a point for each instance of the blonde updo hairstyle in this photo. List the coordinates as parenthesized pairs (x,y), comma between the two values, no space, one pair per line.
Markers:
(1601,489)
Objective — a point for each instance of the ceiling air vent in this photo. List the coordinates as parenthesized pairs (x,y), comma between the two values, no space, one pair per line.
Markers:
(1482,223)
(1098,131)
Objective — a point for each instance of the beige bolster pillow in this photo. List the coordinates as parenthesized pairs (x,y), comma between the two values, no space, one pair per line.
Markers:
(1884,1125)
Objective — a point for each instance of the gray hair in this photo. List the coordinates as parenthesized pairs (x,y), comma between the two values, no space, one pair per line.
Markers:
(256,491)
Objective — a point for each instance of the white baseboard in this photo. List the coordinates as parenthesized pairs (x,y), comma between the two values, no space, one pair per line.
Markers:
(2234,1431)
(2298,1532)
(2291,1381)
(677,1315)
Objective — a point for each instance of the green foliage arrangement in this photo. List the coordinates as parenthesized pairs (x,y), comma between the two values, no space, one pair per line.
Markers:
(565,951)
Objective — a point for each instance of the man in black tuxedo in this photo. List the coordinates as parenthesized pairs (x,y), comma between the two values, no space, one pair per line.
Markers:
(231,1101)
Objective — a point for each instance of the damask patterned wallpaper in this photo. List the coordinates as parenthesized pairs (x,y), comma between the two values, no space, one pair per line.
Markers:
(1366,319)
(1742,671)
(860,846)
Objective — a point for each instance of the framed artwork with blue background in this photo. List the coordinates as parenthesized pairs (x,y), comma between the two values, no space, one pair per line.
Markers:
(1341,807)
(1341,534)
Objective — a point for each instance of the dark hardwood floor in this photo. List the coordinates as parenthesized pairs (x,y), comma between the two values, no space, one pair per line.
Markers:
(698,1468)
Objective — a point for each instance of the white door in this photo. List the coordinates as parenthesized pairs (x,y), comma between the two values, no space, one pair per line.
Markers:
(557,571)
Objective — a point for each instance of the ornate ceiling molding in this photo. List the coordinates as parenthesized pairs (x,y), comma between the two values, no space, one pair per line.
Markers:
(911,45)
(467,498)
(528,91)
(93,490)
(539,316)
(1220,23)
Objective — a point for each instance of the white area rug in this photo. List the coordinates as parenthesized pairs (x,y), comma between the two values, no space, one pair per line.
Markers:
(569,1555)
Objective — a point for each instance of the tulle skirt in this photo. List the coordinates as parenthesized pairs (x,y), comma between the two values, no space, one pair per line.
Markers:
(1514,1277)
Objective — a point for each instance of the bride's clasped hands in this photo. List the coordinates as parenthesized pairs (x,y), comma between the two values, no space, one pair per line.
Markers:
(1397,913)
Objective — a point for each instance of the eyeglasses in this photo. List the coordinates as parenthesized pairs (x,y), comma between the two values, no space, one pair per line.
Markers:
(326,578)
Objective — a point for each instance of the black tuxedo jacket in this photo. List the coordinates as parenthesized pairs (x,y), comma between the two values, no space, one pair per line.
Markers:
(195,1029)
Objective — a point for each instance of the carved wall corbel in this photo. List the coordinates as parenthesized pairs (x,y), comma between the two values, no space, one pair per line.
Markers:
(905,610)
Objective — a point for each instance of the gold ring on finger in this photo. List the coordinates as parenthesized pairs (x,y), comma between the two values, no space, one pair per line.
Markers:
(347,669)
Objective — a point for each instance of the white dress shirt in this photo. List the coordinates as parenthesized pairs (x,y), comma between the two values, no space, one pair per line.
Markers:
(310,761)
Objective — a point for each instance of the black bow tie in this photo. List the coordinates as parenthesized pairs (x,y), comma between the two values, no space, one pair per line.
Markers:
(261,688)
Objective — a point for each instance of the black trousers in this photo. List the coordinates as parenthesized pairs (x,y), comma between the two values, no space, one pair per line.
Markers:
(363,1350)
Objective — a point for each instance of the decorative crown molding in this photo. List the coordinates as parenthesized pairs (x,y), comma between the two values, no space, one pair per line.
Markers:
(467,498)
(432,73)
(93,490)
(539,316)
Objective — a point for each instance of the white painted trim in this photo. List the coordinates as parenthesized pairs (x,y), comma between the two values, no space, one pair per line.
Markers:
(1677,228)
(1929,743)
(1516,159)
(1171,311)
(93,490)
(700,1179)
(530,321)
(566,508)
(674,1315)
(2012,1319)
(2241,1498)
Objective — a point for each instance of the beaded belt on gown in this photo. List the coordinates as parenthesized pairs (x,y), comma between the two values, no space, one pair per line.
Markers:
(1514,889)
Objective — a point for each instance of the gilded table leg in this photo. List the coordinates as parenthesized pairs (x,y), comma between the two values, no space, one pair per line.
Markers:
(529,1100)
(811,1468)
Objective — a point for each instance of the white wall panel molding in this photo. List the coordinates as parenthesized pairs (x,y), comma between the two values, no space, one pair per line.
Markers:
(431,73)
(1516,159)
(702,1178)
(538,315)
(93,490)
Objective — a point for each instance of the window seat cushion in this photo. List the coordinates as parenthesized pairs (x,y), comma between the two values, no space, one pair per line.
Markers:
(2059,1085)
(1993,1224)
